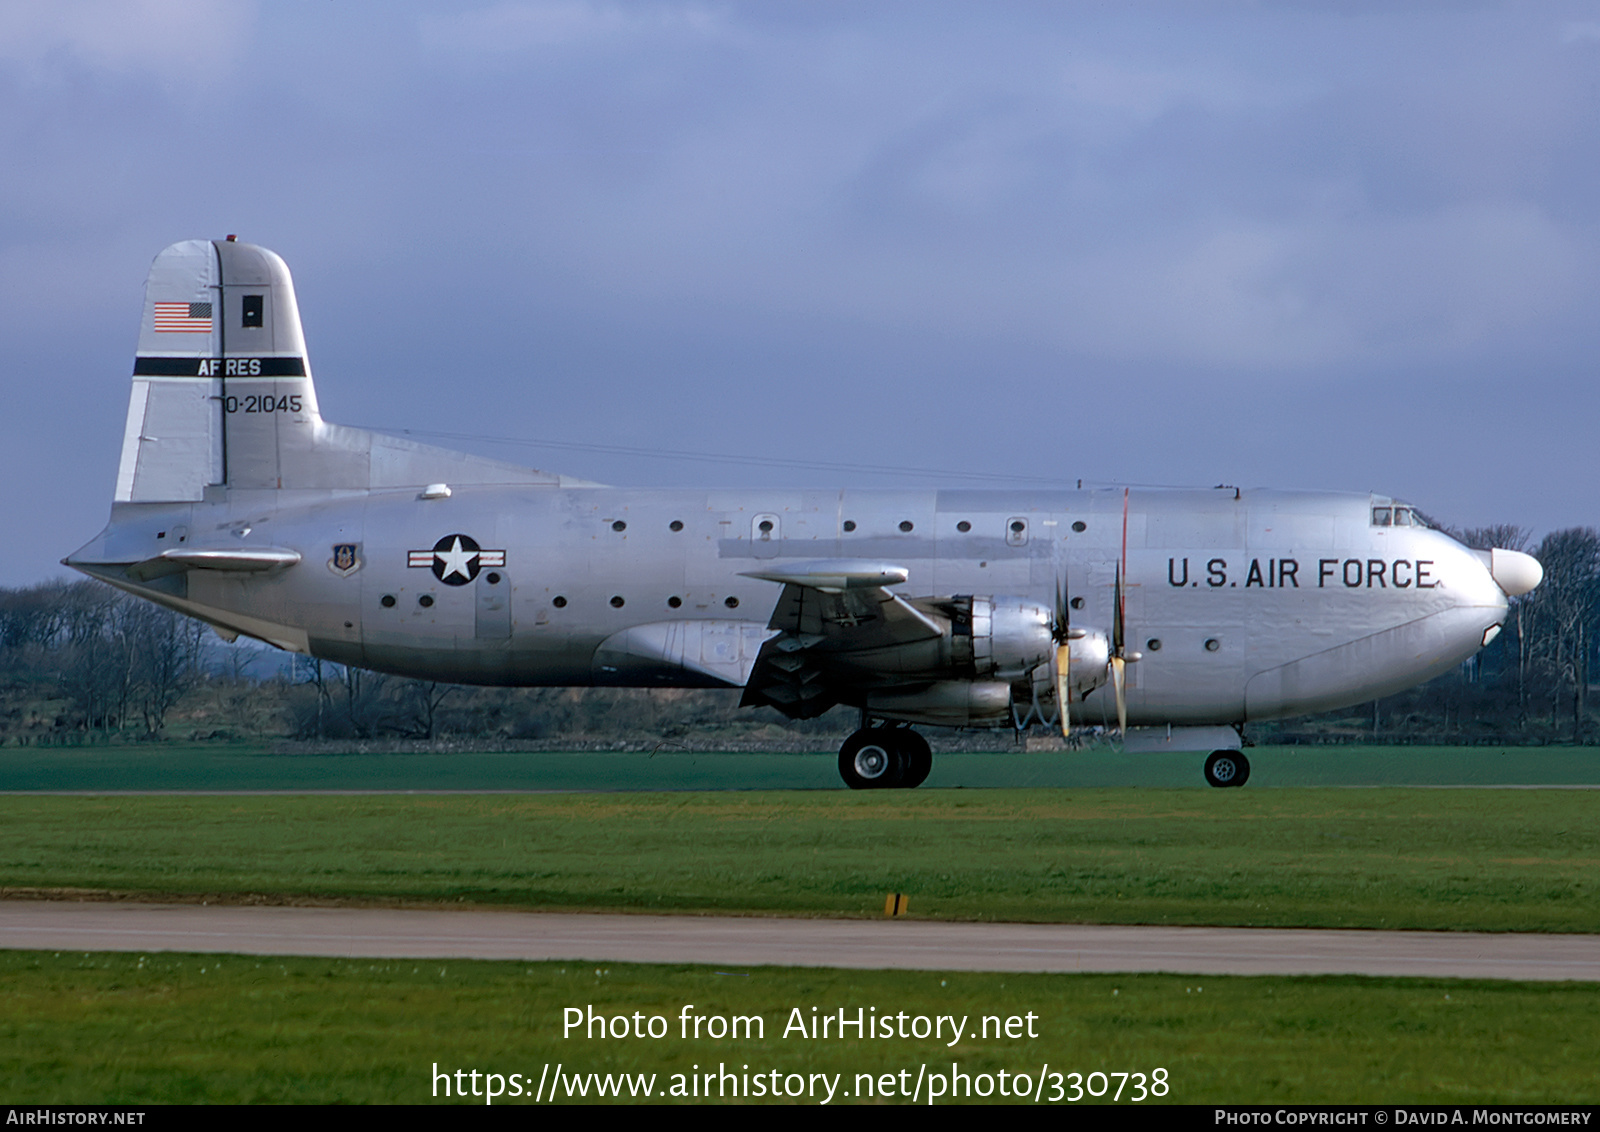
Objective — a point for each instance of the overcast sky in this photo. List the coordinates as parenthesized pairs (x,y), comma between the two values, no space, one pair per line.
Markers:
(1337,245)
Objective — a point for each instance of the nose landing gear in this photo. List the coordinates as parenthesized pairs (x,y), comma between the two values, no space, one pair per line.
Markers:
(1227,768)
(885,758)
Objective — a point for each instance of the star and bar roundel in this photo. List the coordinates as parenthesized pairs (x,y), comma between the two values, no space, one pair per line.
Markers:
(456,559)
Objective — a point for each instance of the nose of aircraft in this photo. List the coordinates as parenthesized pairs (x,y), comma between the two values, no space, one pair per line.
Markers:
(1513,571)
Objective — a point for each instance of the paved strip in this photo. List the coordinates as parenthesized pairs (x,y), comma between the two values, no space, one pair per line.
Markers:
(902,944)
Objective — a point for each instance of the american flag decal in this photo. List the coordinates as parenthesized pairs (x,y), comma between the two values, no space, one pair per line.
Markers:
(183,318)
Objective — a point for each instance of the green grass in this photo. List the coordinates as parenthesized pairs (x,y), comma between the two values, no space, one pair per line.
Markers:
(1488,860)
(1094,837)
(171,1028)
(183,766)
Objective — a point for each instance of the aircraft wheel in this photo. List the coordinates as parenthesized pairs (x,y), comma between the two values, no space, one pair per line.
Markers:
(872,759)
(1227,768)
(918,755)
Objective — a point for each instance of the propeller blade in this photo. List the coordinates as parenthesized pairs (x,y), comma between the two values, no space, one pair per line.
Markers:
(1063,686)
(1117,615)
(1122,571)
(1119,679)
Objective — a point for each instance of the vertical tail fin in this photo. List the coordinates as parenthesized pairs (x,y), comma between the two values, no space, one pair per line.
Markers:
(223,399)
(222,390)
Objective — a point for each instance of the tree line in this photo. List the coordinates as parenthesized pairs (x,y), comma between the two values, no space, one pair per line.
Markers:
(82,662)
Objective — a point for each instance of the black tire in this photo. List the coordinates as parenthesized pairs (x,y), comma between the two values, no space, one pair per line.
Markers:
(872,759)
(918,755)
(1227,768)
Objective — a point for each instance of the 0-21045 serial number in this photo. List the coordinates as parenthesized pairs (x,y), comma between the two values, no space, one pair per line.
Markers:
(262,403)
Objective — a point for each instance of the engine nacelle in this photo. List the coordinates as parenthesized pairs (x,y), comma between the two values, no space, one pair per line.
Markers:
(948,703)
(1000,638)
(1008,640)
(993,655)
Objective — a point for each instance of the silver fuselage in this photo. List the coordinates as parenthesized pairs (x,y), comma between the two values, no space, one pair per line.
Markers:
(1243,605)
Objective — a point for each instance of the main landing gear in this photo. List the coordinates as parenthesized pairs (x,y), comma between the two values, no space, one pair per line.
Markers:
(1227,768)
(885,758)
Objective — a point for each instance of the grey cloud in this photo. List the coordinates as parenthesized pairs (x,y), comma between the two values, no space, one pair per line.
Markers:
(1150,243)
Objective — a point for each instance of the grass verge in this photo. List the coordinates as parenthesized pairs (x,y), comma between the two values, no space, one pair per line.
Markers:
(1483,860)
(245,766)
(128,1029)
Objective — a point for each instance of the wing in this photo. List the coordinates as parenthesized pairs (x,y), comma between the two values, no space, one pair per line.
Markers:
(838,628)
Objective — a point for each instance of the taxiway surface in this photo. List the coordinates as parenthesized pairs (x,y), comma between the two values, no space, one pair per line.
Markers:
(901,944)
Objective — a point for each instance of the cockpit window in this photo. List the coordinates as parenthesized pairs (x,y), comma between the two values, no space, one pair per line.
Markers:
(1386,515)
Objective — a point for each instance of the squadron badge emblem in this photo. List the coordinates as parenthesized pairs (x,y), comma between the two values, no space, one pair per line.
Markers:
(456,559)
(346,558)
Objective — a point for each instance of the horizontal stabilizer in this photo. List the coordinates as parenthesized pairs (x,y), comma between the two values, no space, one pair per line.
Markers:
(252,559)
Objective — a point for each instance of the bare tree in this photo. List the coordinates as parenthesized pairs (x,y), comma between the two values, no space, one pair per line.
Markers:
(1506,536)
(1560,614)
(420,701)
(166,654)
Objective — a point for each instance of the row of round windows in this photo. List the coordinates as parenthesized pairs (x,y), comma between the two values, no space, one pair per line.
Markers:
(766,526)
(1154,644)
(388,601)
(618,601)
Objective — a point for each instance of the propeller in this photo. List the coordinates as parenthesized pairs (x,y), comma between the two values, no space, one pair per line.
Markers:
(1114,654)
(1061,633)
(1119,655)
(1119,625)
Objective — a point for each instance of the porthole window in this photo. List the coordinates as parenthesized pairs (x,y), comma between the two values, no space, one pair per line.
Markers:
(675,525)
(493,578)
(1153,644)
(387,601)
(1212,644)
(765,526)
(963,526)
(1018,526)
(617,602)
(674,601)
(426,601)
(619,526)
(1077,603)
(731,602)
(849,524)
(559,602)
(1080,526)
(905,525)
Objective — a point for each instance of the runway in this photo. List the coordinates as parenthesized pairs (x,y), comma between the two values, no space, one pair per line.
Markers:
(750,942)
